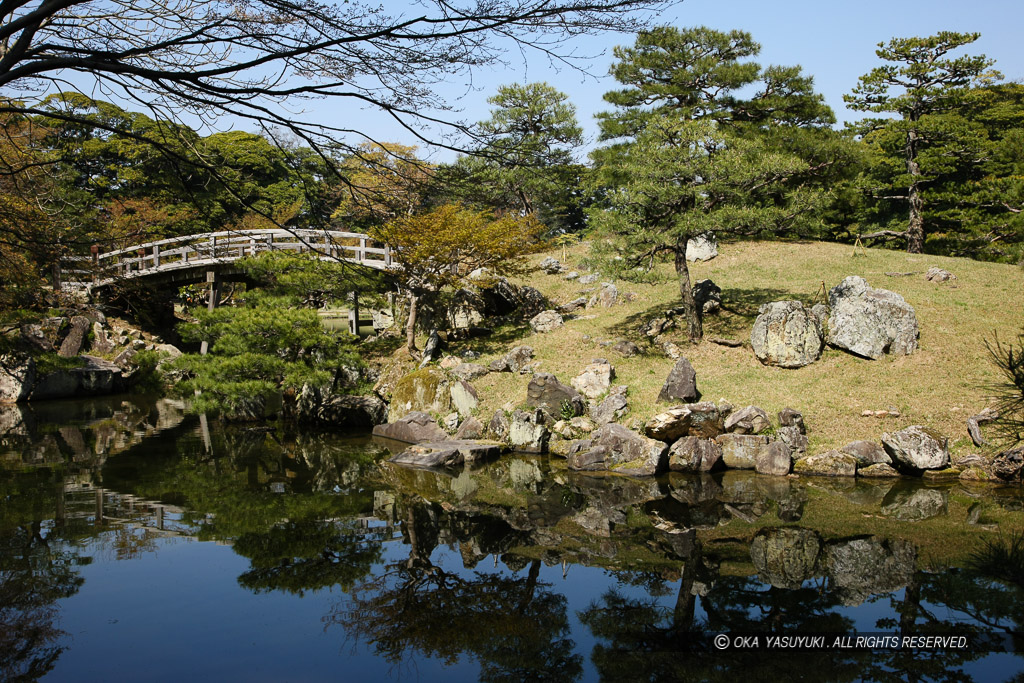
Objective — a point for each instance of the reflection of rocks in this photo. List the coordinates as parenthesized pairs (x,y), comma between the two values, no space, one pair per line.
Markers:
(786,557)
(867,566)
(914,505)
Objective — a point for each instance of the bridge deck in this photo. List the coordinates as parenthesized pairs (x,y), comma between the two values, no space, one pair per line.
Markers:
(182,258)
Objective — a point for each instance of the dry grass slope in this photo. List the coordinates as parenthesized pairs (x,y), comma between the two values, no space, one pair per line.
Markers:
(940,385)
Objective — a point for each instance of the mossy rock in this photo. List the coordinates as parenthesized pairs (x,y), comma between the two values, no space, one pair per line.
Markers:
(426,390)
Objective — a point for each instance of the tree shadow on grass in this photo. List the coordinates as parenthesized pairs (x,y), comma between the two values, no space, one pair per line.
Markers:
(734,320)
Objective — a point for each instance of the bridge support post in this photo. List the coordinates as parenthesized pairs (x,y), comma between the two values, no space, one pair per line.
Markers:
(211,302)
(353,314)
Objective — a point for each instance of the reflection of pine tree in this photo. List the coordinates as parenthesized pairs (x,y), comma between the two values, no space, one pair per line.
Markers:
(514,625)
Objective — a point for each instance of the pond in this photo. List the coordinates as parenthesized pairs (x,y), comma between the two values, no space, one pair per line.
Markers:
(140,543)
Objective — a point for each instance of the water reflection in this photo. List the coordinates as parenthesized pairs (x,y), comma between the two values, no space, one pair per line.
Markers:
(473,564)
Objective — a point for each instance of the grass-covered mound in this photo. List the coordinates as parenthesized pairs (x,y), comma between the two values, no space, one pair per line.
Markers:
(940,385)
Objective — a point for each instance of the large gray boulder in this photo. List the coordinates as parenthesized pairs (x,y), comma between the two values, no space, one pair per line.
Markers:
(866,453)
(917,448)
(694,419)
(694,454)
(613,407)
(702,247)
(425,390)
(528,433)
(828,464)
(415,427)
(739,451)
(605,297)
(681,384)
(774,458)
(870,322)
(618,449)
(595,379)
(450,453)
(17,377)
(749,420)
(787,335)
(546,321)
(545,392)
(72,343)
(340,411)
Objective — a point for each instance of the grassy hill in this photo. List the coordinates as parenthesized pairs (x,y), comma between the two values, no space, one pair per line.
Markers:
(940,385)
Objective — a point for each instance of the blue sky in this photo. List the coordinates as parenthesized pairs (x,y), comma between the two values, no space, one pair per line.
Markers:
(832,41)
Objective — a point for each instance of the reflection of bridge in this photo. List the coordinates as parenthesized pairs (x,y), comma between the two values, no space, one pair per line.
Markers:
(206,257)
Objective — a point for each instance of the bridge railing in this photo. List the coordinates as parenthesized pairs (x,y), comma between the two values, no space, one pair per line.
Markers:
(221,247)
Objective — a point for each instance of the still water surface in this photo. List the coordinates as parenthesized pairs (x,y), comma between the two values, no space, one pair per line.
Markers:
(137,543)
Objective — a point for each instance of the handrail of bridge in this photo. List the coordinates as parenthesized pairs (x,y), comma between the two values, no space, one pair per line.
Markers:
(221,247)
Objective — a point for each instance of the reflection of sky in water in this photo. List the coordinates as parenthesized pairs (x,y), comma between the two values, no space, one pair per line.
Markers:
(156,607)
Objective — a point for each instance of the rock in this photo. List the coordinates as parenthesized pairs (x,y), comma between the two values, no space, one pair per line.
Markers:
(531,301)
(914,504)
(795,439)
(397,367)
(415,427)
(861,567)
(672,350)
(550,265)
(786,557)
(828,464)
(571,275)
(499,425)
(383,319)
(527,432)
(589,279)
(694,454)
(95,377)
(168,351)
(340,411)
(749,420)
(612,408)
(694,419)
(431,349)
(787,335)
(101,343)
(618,449)
(866,453)
(556,399)
(514,360)
(577,304)
(582,424)
(448,362)
(450,453)
(656,326)
(936,274)
(450,422)
(948,474)
(469,371)
(72,344)
(464,397)
(916,448)
(681,384)
(870,322)
(1008,464)
(605,297)
(17,377)
(35,335)
(774,458)
(739,451)
(425,390)
(974,425)
(595,378)
(974,473)
(789,417)
(878,471)
(708,296)
(626,349)
(702,247)
(546,321)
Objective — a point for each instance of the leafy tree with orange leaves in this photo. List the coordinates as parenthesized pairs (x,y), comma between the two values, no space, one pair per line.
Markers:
(440,248)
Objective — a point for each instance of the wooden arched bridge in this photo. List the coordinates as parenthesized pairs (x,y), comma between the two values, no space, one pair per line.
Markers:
(192,258)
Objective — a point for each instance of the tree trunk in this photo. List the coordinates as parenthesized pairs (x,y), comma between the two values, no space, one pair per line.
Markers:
(410,327)
(915,228)
(693,315)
